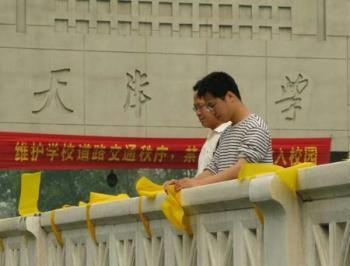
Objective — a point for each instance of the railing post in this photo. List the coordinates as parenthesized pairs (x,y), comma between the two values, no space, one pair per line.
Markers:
(33,226)
(25,241)
(282,226)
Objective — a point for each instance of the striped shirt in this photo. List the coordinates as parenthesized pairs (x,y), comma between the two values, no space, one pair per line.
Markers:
(209,147)
(249,139)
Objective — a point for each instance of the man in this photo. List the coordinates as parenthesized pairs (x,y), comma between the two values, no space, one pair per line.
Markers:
(207,120)
(246,140)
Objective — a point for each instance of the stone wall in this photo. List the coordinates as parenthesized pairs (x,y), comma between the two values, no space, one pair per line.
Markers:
(126,68)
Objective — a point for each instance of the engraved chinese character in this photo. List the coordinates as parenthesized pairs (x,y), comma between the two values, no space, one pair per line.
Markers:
(52,151)
(57,83)
(146,153)
(190,155)
(129,153)
(291,93)
(160,154)
(36,150)
(22,152)
(281,158)
(115,149)
(310,154)
(295,155)
(98,153)
(135,91)
(67,152)
(84,152)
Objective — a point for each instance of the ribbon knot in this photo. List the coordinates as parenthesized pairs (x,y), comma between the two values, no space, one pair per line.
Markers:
(171,205)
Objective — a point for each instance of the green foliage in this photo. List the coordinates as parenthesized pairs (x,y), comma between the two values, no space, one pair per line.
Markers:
(60,187)
(9,192)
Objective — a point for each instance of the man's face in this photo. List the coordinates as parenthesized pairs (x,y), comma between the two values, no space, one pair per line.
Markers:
(206,118)
(218,107)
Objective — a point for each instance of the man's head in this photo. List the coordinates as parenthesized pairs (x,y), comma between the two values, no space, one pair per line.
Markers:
(206,118)
(221,95)
(218,84)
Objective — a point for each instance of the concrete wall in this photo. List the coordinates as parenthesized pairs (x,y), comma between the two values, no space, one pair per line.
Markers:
(68,66)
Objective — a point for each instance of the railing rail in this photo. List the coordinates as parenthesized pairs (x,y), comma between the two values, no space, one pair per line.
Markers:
(310,229)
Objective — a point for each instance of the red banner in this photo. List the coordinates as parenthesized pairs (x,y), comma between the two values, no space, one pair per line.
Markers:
(291,151)
(48,151)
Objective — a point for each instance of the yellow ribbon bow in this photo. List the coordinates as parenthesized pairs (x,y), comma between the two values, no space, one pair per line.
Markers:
(171,206)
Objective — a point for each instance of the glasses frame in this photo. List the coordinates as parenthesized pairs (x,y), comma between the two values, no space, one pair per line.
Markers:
(211,107)
(200,108)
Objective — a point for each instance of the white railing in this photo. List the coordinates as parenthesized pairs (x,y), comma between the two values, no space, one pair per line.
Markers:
(312,229)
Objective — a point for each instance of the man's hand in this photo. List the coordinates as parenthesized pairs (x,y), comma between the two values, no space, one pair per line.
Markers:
(168,183)
(185,183)
(207,177)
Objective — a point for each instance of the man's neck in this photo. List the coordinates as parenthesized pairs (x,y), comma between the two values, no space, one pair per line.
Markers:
(213,127)
(241,114)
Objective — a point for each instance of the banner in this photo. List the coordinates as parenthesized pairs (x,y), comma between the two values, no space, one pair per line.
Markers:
(291,151)
(49,151)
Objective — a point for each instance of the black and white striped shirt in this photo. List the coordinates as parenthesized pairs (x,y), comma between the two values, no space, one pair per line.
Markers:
(248,139)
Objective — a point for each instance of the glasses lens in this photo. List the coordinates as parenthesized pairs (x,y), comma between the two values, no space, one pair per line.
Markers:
(210,107)
(199,108)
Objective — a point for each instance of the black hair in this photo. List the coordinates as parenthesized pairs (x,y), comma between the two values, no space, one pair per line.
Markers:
(196,87)
(217,84)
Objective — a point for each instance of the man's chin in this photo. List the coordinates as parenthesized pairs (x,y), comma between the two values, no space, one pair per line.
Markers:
(203,123)
(221,118)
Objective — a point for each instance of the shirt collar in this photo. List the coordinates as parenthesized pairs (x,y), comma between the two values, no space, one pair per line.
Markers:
(222,127)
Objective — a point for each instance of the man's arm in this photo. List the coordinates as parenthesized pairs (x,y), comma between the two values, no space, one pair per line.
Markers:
(204,174)
(207,177)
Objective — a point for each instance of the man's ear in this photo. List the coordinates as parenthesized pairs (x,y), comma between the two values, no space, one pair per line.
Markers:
(230,96)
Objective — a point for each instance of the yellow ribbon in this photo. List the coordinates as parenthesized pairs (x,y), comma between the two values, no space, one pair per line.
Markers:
(147,188)
(94,198)
(30,187)
(99,197)
(250,170)
(171,206)
(174,212)
(289,176)
(2,246)
(90,225)
(55,229)
(82,203)
(259,214)
(144,219)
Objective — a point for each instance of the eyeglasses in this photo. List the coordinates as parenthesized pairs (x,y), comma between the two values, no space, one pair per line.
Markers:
(199,108)
(211,106)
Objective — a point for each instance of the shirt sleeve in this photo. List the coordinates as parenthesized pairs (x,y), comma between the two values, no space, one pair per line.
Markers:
(213,166)
(255,145)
